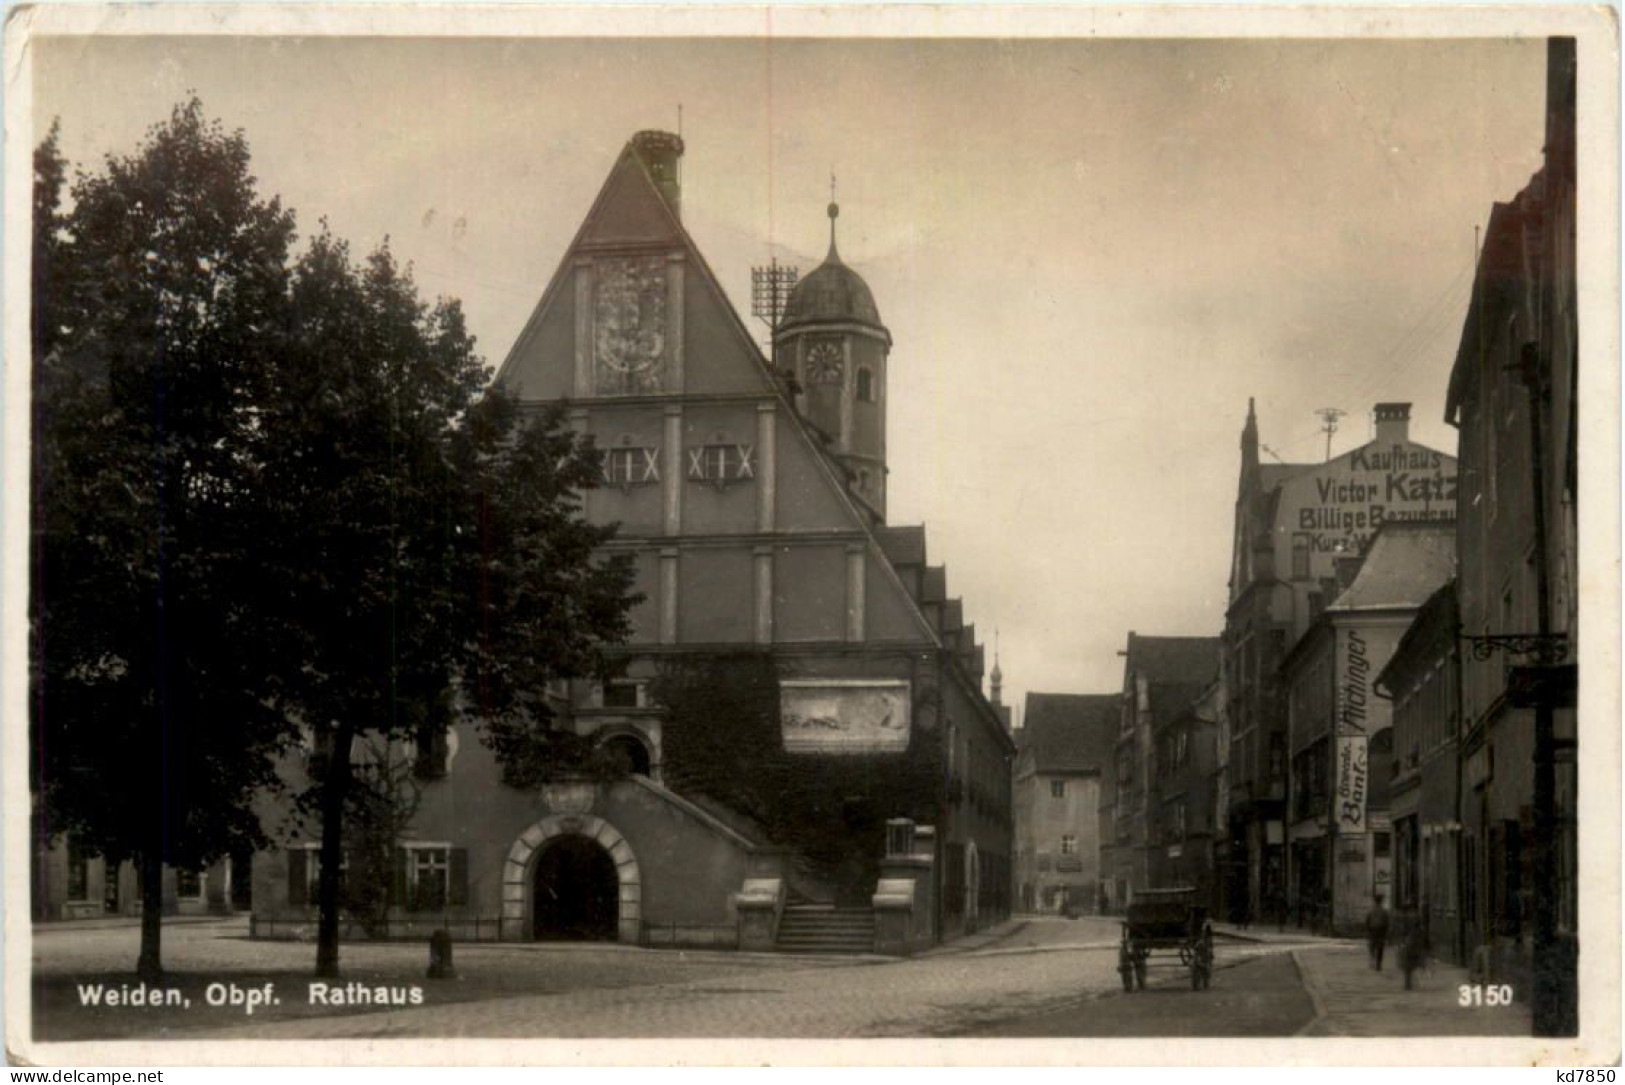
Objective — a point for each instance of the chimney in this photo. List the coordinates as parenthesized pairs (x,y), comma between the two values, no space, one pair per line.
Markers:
(661,152)
(1393,423)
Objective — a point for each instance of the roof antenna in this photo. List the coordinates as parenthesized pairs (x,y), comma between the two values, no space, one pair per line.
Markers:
(1328,425)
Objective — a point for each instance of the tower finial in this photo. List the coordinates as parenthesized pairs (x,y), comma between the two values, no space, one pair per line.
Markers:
(834,213)
(996,678)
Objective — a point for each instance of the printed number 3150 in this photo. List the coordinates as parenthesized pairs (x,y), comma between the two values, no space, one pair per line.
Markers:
(1476,994)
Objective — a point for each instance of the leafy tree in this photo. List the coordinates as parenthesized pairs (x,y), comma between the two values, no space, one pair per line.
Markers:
(428,536)
(156,301)
(384,797)
(270,496)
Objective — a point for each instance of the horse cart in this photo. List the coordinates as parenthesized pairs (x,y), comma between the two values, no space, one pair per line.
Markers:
(1163,920)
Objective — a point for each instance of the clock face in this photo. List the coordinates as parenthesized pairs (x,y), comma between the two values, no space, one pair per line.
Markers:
(824,363)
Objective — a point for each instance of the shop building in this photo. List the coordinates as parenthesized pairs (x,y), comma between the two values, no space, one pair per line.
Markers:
(1293,522)
(1423,680)
(1340,728)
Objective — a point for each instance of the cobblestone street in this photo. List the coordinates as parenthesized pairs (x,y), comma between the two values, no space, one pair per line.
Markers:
(1035,977)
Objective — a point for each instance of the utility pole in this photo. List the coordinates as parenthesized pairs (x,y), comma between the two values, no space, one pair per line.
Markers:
(1328,424)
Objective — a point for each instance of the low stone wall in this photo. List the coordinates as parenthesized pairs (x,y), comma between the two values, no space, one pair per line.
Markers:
(469,929)
(693,936)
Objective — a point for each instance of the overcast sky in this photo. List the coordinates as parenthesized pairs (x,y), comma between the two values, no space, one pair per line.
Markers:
(1089,253)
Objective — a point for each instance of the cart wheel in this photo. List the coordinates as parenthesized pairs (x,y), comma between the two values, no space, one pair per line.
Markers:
(1196,977)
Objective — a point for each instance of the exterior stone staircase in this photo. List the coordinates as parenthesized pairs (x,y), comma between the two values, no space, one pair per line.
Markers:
(825,928)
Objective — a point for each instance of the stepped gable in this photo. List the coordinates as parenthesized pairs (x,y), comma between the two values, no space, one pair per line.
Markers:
(904,546)
(1071,732)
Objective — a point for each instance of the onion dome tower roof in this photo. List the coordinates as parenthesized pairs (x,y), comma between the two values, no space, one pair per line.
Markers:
(831,292)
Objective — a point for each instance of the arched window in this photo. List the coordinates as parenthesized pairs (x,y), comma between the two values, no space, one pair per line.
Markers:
(631,755)
(866,385)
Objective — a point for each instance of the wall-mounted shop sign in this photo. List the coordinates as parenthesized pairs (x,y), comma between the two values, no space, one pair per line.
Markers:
(1352,783)
(827,715)
(1354,685)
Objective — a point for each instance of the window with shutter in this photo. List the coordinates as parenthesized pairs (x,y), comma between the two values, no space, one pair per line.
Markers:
(459,877)
(428,870)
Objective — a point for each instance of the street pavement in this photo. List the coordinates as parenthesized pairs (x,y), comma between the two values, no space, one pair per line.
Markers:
(1354,999)
(1032,976)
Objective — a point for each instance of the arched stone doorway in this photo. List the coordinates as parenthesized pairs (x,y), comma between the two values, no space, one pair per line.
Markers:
(575,892)
(532,864)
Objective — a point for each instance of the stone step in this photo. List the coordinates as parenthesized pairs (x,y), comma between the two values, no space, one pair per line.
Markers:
(812,928)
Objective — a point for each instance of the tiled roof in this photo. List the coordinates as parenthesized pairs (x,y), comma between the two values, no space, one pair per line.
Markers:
(903,545)
(1408,561)
(1180,660)
(1070,732)
(1169,700)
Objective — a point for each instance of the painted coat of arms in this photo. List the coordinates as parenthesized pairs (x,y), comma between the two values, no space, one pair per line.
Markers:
(629,325)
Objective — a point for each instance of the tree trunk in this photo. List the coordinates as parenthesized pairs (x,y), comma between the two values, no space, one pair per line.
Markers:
(335,789)
(149,966)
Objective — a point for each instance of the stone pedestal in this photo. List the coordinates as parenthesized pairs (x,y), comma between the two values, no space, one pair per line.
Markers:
(905,899)
(894,917)
(759,905)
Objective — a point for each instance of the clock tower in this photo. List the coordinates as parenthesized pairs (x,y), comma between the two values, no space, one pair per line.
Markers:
(832,340)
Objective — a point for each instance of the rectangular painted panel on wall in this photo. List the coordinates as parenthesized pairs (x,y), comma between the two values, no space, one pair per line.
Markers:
(842,716)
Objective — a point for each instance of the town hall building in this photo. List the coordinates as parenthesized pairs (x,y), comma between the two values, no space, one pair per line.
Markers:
(751,497)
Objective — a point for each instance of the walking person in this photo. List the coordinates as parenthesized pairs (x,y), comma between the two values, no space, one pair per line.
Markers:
(1376,930)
